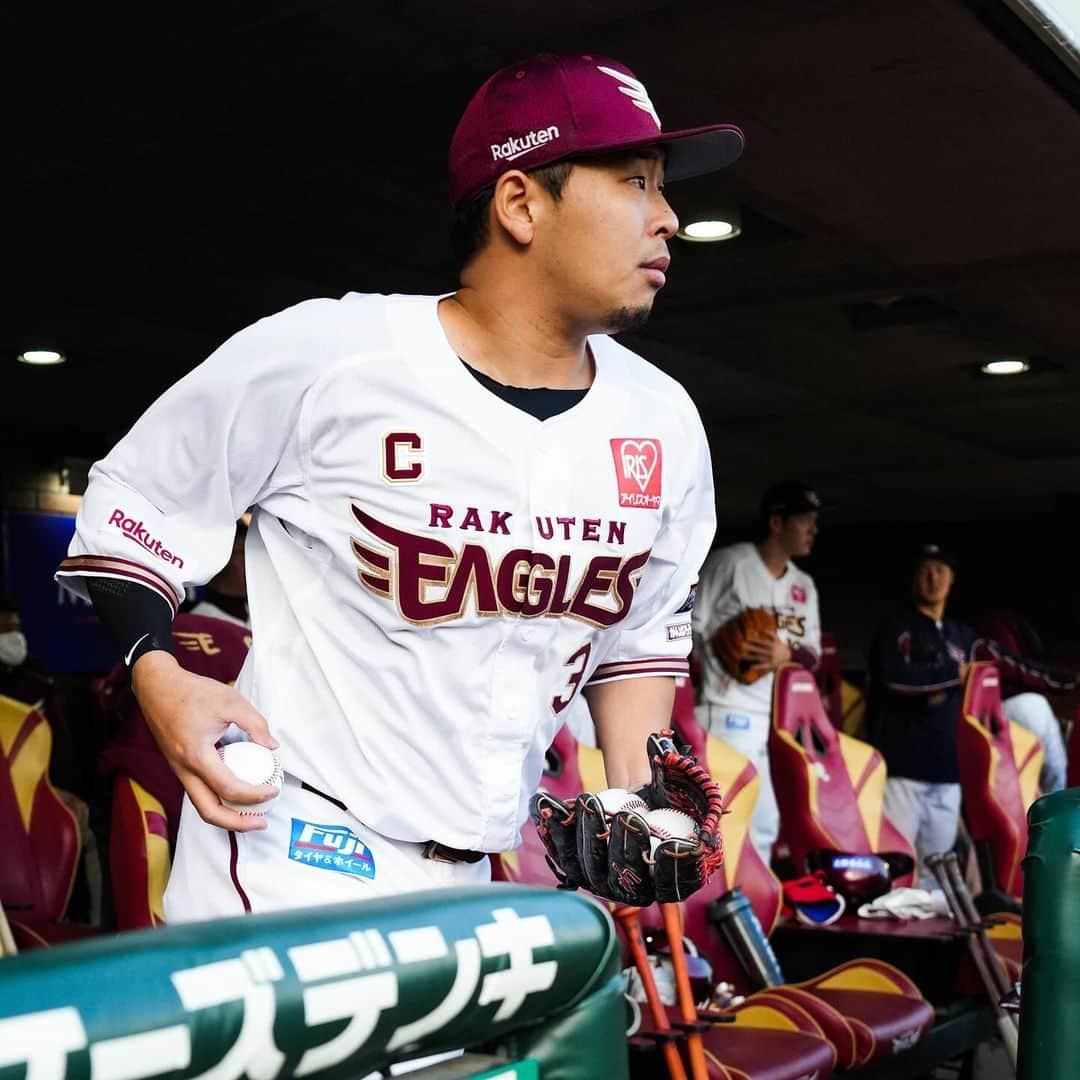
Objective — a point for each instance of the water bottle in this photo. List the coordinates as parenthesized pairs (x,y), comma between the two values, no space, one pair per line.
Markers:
(734,916)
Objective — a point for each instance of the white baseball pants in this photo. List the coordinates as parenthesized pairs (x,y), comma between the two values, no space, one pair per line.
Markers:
(1033,712)
(928,814)
(311,853)
(749,734)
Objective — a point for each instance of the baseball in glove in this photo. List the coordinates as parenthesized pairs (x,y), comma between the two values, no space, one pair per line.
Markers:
(618,854)
(731,643)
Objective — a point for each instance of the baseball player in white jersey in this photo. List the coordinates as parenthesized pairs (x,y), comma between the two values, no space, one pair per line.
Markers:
(759,575)
(468,511)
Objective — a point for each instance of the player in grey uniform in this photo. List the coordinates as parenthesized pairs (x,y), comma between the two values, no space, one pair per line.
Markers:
(468,511)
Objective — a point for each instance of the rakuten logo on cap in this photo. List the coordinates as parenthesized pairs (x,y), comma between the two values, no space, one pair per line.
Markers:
(514,147)
(137,532)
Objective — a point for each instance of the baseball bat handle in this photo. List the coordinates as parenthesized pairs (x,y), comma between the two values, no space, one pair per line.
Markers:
(687,1009)
(628,917)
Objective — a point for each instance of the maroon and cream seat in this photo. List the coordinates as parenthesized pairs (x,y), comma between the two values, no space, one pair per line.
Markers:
(773,1039)
(1000,763)
(140,859)
(39,834)
(829,786)
(829,680)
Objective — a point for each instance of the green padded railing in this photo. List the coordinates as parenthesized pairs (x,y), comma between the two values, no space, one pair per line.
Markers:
(1050,1013)
(332,992)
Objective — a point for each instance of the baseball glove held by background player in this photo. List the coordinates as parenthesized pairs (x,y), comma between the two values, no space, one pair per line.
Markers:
(613,844)
(731,642)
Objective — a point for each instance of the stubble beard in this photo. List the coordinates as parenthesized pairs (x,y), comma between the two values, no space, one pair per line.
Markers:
(627,319)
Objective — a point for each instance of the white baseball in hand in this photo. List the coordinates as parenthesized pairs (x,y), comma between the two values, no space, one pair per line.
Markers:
(254,764)
(666,824)
(616,799)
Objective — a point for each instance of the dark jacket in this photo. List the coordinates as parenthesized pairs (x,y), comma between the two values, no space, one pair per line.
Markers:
(916,694)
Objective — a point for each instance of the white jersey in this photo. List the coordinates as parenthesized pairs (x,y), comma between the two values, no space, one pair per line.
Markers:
(433,574)
(735,578)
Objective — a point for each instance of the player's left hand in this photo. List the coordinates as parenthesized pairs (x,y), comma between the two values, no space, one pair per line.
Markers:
(625,857)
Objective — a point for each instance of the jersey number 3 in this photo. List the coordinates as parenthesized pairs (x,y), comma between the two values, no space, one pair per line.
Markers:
(578,662)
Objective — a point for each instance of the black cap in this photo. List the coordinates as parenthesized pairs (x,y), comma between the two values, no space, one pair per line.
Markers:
(934,553)
(790,498)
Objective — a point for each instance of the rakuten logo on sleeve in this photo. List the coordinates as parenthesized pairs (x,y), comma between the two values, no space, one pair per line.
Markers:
(137,532)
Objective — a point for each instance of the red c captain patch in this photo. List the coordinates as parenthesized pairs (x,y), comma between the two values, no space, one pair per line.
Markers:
(798,594)
(638,471)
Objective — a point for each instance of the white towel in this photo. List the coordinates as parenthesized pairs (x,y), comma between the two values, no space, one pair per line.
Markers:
(907,904)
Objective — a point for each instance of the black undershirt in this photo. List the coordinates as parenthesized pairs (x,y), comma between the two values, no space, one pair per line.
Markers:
(541,402)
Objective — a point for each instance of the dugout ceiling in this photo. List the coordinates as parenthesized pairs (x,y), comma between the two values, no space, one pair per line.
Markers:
(909,193)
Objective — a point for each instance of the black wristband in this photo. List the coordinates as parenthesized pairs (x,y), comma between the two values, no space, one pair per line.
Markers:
(138,619)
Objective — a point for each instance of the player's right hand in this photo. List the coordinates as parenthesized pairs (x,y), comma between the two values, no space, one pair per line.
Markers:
(768,651)
(187,715)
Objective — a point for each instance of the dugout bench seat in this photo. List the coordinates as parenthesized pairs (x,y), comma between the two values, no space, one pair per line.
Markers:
(1000,762)
(829,786)
(39,834)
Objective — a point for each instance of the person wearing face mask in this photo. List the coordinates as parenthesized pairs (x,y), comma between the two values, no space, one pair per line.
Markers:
(26,683)
(919,661)
(26,680)
(759,575)
(22,676)
(13,651)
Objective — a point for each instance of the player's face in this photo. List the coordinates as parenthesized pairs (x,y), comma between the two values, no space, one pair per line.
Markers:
(798,533)
(932,581)
(603,248)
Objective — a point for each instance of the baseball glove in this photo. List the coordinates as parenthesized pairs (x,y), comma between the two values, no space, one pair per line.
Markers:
(730,644)
(619,856)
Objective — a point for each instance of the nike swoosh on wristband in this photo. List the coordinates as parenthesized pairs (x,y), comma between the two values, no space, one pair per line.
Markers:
(131,652)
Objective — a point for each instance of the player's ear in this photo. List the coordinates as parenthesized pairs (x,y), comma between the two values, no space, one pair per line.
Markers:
(512,205)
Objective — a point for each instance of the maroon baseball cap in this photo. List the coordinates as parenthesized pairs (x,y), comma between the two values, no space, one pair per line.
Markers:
(550,107)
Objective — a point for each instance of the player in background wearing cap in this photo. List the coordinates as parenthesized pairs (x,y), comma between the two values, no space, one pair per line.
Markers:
(918,663)
(467,511)
(759,575)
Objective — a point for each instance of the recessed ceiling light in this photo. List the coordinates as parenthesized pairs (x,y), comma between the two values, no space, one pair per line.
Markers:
(1012,366)
(41,357)
(710,230)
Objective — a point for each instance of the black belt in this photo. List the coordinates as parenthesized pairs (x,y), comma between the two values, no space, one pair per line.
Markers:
(432,849)
(441,853)
(322,795)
